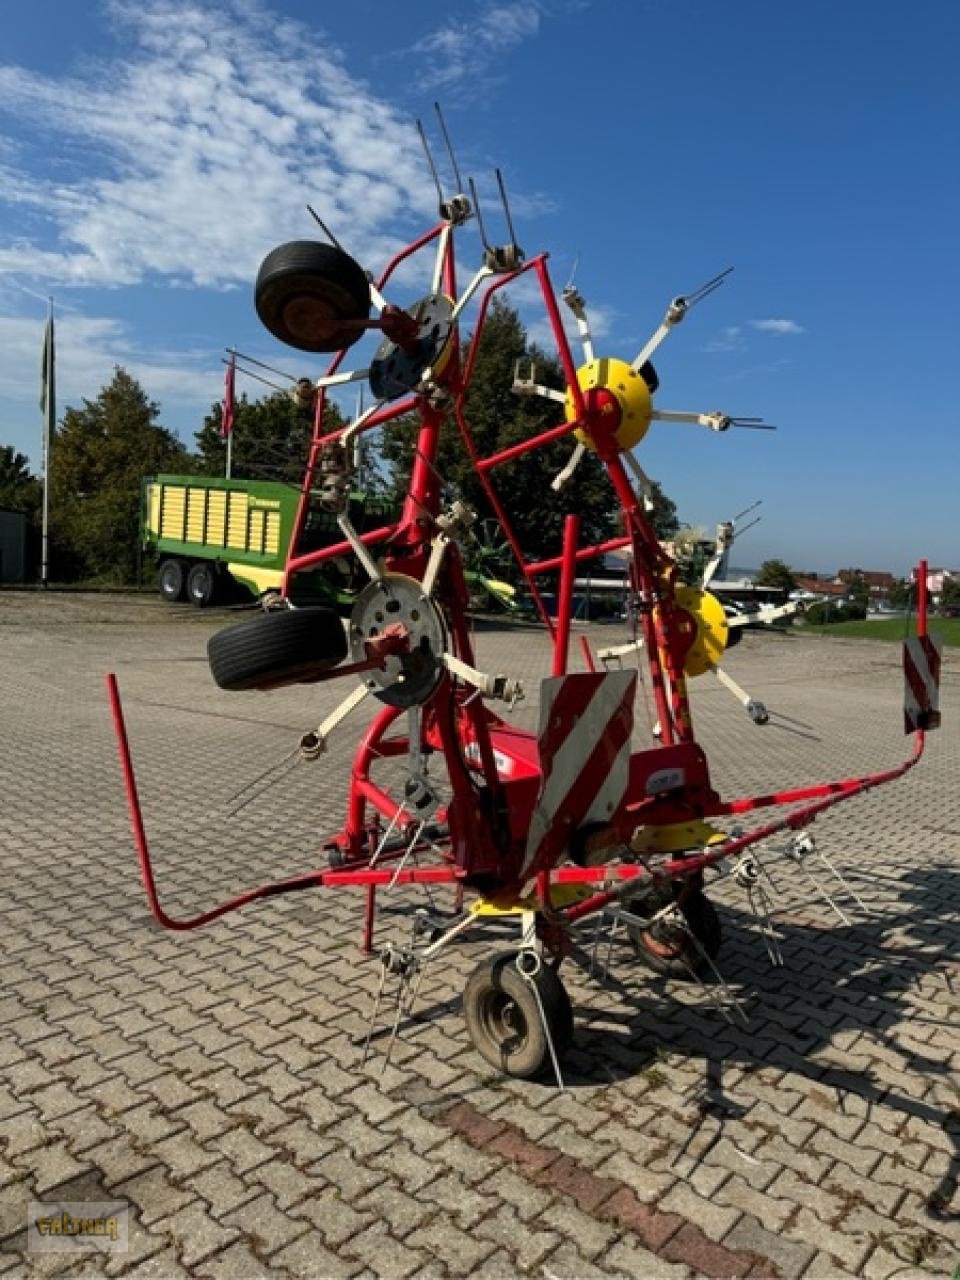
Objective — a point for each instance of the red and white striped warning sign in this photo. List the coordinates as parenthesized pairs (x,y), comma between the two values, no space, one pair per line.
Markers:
(585,725)
(921,684)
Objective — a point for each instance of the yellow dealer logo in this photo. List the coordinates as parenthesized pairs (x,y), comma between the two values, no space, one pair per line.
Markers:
(69,1226)
(269,504)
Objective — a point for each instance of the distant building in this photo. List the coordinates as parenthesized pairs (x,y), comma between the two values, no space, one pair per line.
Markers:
(813,586)
(878,582)
(13,546)
(936,579)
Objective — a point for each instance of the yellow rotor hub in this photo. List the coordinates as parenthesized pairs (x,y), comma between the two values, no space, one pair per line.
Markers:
(711,640)
(675,837)
(627,405)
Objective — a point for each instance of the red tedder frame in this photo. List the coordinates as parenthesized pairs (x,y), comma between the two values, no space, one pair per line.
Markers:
(478,838)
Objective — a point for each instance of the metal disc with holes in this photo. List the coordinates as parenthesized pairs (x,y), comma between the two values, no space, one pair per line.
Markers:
(408,679)
(393,371)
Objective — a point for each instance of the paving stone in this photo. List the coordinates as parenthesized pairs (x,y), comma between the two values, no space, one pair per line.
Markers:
(264,1225)
(789,1257)
(199,1235)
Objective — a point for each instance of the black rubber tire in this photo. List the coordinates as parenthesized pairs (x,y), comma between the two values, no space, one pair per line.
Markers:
(310,296)
(202,584)
(701,916)
(293,646)
(503,1019)
(171,580)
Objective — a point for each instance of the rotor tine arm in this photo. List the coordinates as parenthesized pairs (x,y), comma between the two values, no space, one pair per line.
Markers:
(644,483)
(652,344)
(359,550)
(563,476)
(574,300)
(470,290)
(442,244)
(350,431)
(314,744)
(339,379)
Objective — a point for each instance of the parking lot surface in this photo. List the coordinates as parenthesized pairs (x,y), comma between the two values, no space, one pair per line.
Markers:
(212,1082)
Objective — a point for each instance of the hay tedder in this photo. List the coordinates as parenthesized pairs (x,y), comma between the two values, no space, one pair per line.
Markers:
(544,829)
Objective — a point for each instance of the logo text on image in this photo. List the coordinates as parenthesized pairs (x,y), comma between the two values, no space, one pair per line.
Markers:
(67,1226)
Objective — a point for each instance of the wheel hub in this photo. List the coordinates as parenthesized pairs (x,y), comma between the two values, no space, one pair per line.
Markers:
(408,679)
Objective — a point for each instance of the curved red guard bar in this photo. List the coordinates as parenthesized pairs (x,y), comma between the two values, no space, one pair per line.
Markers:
(312,879)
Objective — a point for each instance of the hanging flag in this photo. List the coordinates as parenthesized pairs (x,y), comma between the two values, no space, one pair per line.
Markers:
(226,423)
(48,393)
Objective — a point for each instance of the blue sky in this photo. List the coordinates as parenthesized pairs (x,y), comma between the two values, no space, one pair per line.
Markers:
(152,153)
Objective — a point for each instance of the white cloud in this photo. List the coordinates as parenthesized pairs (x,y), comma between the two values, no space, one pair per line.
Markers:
(460,50)
(782,328)
(197,153)
(728,339)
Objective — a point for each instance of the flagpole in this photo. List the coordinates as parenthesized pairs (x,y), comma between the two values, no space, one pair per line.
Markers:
(49,418)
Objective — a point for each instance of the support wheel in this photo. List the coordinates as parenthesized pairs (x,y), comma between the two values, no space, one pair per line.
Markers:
(312,296)
(668,949)
(171,579)
(202,584)
(503,1016)
(293,646)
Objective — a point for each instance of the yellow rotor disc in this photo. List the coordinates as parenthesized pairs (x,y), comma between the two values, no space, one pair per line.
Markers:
(708,613)
(628,389)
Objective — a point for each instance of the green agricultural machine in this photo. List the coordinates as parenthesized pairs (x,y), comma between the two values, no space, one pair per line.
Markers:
(218,539)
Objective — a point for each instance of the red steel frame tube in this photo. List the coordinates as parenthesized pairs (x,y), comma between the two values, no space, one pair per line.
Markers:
(561,641)
(319,439)
(312,879)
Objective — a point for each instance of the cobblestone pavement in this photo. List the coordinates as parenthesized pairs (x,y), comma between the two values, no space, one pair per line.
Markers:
(212,1081)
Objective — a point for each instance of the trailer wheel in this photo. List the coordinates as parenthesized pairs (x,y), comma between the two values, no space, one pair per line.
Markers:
(202,584)
(312,296)
(503,1017)
(294,646)
(171,580)
(668,949)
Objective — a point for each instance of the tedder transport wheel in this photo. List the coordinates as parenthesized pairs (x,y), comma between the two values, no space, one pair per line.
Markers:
(667,949)
(290,647)
(171,578)
(312,296)
(202,584)
(503,1017)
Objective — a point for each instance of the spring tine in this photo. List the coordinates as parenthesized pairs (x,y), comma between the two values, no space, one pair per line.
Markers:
(374,1016)
(476,204)
(449,145)
(411,844)
(324,228)
(506,207)
(823,892)
(601,915)
(844,882)
(546,1026)
(401,981)
(433,167)
(728,991)
(705,290)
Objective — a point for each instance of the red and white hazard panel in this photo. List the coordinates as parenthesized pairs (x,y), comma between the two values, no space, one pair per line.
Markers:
(921,685)
(585,725)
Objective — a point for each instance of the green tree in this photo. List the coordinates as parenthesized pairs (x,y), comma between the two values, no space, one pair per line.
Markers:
(776,573)
(98,460)
(271,439)
(950,595)
(901,594)
(498,419)
(19,489)
(859,591)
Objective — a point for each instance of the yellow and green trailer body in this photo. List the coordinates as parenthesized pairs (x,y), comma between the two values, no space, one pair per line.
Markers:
(212,535)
